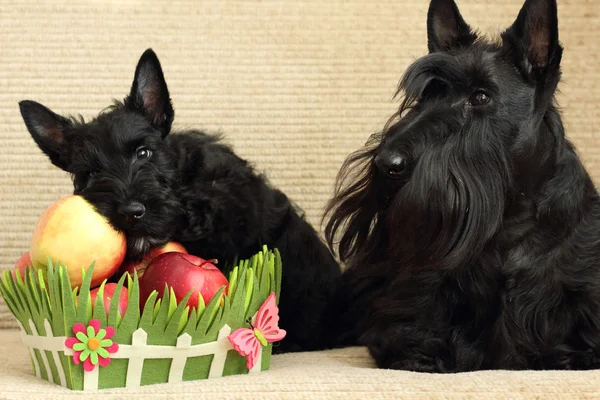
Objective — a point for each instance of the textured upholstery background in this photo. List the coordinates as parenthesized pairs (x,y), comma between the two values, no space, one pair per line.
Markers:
(337,374)
(295,85)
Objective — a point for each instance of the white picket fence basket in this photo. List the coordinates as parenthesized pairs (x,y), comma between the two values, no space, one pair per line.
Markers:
(136,353)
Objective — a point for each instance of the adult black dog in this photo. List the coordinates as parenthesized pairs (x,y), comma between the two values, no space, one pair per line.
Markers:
(470,227)
(191,188)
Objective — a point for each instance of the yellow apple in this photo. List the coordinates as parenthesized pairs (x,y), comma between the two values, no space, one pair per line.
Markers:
(73,232)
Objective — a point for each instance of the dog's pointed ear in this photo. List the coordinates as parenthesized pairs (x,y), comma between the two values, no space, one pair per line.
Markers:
(149,93)
(48,131)
(446,28)
(535,36)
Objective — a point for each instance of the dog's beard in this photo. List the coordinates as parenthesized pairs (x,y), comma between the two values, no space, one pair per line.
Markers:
(451,206)
(443,210)
(139,246)
(157,226)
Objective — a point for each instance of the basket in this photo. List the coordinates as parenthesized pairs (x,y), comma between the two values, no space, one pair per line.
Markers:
(167,341)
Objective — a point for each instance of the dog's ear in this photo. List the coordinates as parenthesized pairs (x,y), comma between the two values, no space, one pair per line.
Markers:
(446,28)
(149,93)
(535,36)
(48,131)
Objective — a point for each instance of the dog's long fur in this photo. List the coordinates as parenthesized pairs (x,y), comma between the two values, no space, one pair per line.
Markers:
(470,227)
(194,189)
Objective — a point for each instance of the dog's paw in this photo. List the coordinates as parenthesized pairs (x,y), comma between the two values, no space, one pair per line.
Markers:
(421,364)
(287,347)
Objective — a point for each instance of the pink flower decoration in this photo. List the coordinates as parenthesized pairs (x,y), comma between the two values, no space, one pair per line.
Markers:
(92,345)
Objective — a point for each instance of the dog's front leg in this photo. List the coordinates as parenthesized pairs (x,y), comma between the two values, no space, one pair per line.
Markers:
(410,347)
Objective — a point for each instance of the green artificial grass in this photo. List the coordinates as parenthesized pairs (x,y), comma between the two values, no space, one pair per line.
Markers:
(41,295)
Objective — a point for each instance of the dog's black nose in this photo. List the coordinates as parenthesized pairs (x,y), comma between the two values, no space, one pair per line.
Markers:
(133,209)
(391,163)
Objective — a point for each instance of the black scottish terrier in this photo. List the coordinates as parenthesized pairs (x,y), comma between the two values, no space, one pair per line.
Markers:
(191,188)
(470,227)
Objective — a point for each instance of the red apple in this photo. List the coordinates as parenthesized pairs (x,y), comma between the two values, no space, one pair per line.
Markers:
(183,273)
(140,266)
(21,265)
(109,291)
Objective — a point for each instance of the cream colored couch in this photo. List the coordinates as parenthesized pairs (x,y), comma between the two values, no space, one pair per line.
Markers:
(295,86)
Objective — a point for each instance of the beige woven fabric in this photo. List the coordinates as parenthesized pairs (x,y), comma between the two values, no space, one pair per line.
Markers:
(338,374)
(295,85)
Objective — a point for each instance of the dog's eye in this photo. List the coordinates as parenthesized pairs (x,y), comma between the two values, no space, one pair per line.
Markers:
(479,98)
(143,153)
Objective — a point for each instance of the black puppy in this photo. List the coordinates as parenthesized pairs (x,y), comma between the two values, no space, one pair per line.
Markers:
(470,227)
(191,188)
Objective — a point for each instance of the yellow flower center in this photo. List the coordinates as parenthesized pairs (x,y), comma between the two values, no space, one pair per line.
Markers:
(93,344)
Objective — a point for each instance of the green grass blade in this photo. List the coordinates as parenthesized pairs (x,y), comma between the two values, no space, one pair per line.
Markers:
(33,285)
(44,295)
(84,306)
(132,314)
(31,295)
(147,314)
(18,288)
(172,304)
(58,316)
(209,314)
(131,320)
(8,292)
(161,310)
(19,277)
(233,278)
(201,306)
(236,296)
(248,288)
(220,318)
(7,289)
(6,296)
(69,308)
(259,264)
(156,310)
(264,283)
(40,290)
(256,299)
(183,320)
(190,326)
(214,324)
(113,311)
(178,319)
(6,276)
(253,261)
(99,312)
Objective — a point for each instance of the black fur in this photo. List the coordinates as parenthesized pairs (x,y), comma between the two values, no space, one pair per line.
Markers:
(191,188)
(470,227)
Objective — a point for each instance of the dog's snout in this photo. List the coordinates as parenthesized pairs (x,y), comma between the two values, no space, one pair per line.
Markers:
(391,163)
(133,209)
